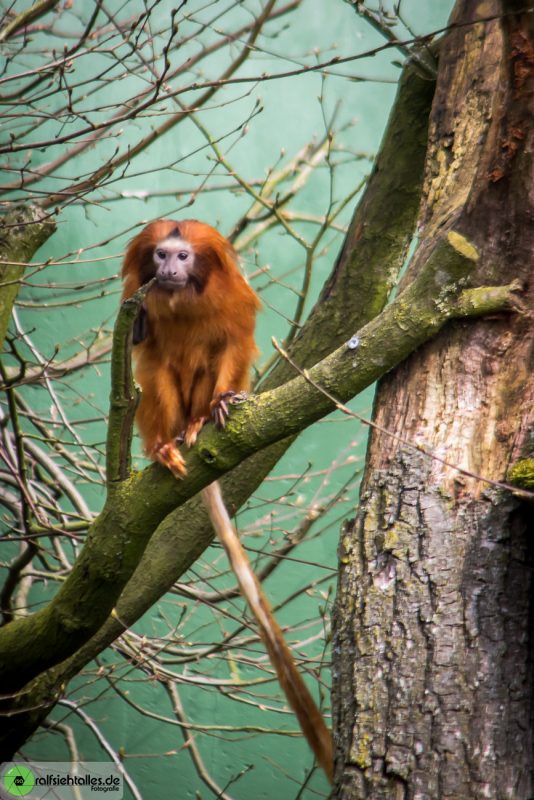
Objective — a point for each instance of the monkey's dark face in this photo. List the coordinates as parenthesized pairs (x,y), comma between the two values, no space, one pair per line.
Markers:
(175,265)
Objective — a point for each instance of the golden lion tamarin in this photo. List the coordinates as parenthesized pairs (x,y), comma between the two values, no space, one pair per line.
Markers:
(193,349)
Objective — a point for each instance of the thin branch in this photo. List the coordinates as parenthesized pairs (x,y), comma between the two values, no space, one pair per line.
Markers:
(90,723)
(191,744)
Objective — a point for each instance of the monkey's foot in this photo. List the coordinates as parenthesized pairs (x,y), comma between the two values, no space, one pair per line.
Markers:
(219,405)
(169,455)
(193,429)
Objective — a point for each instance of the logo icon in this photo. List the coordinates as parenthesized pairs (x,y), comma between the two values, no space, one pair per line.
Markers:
(18,780)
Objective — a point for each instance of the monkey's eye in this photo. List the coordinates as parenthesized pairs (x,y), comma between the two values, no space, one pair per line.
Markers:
(182,255)
(160,254)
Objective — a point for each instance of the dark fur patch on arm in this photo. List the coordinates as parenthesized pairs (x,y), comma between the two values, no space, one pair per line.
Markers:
(140,326)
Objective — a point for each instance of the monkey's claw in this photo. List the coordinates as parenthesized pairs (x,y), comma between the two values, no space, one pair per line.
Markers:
(219,405)
(169,455)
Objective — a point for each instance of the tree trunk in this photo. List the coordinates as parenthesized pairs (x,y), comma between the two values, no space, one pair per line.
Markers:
(433,679)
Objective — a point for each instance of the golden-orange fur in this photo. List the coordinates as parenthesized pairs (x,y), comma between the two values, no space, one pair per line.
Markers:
(198,346)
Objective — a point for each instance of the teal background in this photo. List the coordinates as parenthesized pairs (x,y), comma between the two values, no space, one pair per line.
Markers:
(71,304)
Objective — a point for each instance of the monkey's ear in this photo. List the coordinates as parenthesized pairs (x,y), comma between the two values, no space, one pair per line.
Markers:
(140,326)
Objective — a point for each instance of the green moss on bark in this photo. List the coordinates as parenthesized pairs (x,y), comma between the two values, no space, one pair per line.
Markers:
(521,474)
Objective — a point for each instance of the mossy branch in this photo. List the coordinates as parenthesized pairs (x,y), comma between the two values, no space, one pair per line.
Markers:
(438,294)
(137,504)
(23,231)
(26,17)
(124,393)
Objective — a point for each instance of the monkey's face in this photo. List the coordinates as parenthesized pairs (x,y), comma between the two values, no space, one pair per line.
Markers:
(174,261)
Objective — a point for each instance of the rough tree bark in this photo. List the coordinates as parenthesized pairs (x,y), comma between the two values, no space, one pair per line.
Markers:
(433,679)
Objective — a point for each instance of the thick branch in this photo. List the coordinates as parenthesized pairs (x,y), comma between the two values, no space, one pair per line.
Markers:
(24,230)
(26,17)
(124,394)
(122,531)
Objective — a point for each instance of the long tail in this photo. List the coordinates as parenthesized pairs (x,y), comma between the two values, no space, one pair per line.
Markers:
(310,718)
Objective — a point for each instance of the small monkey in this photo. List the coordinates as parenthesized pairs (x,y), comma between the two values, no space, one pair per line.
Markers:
(193,348)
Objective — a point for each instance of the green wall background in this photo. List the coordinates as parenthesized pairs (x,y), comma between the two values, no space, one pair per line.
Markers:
(291,117)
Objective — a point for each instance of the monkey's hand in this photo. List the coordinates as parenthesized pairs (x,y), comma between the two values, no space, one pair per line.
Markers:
(219,405)
(169,455)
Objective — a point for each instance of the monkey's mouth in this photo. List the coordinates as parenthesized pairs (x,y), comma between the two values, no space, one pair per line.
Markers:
(170,285)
